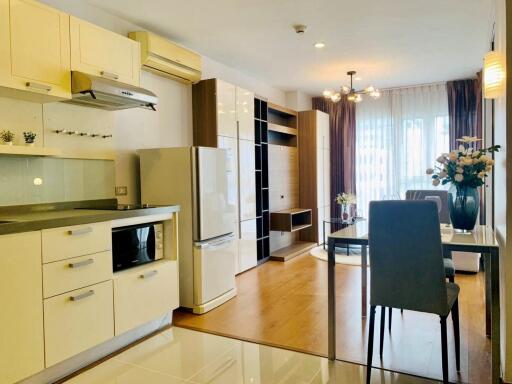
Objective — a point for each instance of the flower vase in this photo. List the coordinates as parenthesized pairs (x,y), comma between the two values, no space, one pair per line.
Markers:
(345,214)
(464,204)
(30,144)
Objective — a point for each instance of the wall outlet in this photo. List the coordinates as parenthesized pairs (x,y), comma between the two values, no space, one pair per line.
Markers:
(121,190)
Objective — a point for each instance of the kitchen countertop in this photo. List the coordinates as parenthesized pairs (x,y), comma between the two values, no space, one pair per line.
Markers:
(37,220)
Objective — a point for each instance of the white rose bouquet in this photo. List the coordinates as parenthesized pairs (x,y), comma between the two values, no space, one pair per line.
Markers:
(344,199)
(465,166)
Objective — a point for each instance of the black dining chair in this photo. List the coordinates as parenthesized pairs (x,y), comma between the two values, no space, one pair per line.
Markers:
(407,270)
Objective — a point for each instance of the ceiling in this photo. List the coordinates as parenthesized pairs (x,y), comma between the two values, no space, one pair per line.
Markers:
(389,42)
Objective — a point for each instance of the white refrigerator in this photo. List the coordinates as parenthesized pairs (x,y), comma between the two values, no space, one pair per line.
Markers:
(196,178)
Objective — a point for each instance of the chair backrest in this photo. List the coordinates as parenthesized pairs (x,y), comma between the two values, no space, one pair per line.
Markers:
(421,194)
(406,257)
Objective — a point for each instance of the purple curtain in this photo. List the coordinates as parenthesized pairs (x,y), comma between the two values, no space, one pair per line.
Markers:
(465,108)
(342,119)
(465,114)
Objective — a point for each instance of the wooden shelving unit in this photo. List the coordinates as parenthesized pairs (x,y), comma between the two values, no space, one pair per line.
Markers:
(262,191)
(282,125)
(290,220)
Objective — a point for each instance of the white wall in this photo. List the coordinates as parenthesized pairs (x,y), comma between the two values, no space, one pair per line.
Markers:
(171,125)
(298,101)
(503,190)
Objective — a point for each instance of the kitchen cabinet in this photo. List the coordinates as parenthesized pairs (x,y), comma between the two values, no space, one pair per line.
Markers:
(67,275)
(226,109)
(34,43)
(21,316)
(103,53)
(144,293)
(224,118)
(78,240)
(245,113)
(78,320)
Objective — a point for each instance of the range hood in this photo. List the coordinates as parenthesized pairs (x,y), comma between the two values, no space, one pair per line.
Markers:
(98,92)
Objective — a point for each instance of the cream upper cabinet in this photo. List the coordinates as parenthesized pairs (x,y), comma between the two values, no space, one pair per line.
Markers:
(38,51)
(226,109)
(100,52)
(245,113)
(21,316)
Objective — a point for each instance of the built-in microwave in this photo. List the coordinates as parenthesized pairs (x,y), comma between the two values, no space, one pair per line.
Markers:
(136,245)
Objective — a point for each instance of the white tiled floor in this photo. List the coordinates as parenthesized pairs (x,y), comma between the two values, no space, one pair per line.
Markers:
(179,355)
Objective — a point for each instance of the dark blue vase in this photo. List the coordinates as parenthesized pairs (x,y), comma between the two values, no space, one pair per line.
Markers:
(464,203)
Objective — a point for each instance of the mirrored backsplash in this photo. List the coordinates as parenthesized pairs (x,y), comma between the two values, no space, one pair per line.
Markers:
(38,180)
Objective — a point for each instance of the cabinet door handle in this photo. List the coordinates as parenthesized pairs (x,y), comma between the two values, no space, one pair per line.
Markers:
(109,75)
(82,295)
(80,231)
(38,86)
(149,274)
(82,263)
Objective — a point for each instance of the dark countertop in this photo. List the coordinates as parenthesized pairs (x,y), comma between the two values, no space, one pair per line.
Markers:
(27,221)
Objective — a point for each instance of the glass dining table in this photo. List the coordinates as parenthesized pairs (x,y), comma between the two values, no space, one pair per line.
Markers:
(481,240)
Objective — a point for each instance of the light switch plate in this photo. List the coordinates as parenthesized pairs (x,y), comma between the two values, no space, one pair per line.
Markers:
(121,190)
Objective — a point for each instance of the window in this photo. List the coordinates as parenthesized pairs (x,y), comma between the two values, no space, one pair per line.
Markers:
(398,137)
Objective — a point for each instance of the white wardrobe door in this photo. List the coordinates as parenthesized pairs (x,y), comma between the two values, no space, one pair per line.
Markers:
(245,113)
(327,177)
(230,144)
(226,109)
(247,249)
(247,179)
(320,177)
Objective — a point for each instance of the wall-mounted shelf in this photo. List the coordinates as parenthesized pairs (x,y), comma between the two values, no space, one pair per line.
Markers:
(290,220)
(23,150)
(282,129)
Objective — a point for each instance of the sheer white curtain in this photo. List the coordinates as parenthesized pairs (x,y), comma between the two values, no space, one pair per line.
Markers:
(398,137)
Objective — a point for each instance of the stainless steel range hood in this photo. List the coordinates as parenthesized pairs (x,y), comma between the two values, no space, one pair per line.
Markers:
(98,92)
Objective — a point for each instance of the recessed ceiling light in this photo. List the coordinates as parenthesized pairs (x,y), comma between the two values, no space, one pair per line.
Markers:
(319,45)
(358,78)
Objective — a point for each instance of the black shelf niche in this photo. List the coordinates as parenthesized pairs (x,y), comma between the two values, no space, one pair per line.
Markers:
(261,174)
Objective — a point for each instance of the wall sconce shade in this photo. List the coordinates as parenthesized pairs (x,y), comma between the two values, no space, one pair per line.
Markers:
(494,75)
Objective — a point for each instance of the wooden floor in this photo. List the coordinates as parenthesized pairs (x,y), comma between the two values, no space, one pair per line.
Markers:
(285,304)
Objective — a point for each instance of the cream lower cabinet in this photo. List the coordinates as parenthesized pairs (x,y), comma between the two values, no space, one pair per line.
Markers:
(78,320)
(35,49)
(21,313)
(144,293)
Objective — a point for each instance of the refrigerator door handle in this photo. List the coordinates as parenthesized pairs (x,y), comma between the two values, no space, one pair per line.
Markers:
(216,243)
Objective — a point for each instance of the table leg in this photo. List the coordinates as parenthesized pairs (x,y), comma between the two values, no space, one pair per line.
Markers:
(487,267)
(331,300)
(364,279)
(323,234)
(495,316)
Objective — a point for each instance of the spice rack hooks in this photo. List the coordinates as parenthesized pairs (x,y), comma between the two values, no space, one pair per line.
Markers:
(82,134)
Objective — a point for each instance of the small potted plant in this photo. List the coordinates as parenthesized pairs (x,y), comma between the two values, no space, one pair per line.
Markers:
(7,137)
(30,138)
(345,200)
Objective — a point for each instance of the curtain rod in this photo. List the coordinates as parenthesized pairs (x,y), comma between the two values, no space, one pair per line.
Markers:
(413,86)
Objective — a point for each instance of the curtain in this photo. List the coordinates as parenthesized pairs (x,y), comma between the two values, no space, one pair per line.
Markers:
(465,108)
(342,119)
(399,136)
